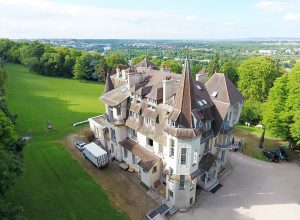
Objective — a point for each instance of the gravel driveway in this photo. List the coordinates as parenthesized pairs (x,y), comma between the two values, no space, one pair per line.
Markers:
(253,190)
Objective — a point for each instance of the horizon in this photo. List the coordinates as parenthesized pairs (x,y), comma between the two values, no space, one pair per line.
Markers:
(155,20)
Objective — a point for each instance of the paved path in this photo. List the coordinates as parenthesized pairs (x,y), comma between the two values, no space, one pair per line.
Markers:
(254,190)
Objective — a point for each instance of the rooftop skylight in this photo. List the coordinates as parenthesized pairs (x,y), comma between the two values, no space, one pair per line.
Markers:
(214,94)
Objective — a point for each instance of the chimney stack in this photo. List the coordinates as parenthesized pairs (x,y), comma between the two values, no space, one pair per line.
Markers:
(168,88)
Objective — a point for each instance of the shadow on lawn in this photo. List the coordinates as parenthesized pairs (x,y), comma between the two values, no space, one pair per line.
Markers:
(53,185)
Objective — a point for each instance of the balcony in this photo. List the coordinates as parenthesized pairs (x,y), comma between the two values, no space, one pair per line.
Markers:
(226,128)
(224,145)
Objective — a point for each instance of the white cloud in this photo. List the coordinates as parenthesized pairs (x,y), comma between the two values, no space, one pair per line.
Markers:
(191,18)
(273,5)
(228,23)
(48,19)
(291,17)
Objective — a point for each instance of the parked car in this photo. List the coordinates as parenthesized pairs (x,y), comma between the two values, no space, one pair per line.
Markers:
(80,145)
(281,154)
(271,156)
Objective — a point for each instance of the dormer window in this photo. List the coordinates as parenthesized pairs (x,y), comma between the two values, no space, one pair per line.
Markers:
(198,87)
(198,124)
(200,103)
(173,123)
(214,94)
(204,101)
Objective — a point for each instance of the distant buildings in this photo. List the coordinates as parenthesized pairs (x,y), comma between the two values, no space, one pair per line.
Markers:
(267,52)
(169,128)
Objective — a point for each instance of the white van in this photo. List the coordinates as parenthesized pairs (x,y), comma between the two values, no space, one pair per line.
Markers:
(96,155)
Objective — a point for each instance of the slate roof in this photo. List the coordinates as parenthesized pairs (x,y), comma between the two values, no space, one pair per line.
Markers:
(206,162)
(108,84)
(146,64)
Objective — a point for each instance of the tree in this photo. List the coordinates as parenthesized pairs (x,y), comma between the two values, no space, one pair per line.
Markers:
(138,59)
(3,77)
(101,70)
(293,103)
(281,113)
(213,66)
(52,64)
(11,157)
(229,68)
(256,77)
(86,65)
(252,112)
(113,60)
(30,55)
(173,65)
(274,110)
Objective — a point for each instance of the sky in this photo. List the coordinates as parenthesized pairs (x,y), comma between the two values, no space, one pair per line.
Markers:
(149,19)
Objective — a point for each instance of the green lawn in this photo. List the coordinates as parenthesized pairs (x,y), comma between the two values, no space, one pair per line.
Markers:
(53,185)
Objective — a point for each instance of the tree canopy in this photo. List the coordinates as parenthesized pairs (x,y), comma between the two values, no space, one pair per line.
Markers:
(256,77)
(281,114)
(229,68)
(11,158)
(214,65)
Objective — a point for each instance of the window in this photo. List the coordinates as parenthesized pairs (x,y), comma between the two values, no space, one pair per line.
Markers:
(132,134)
(200,103)
(191,186)
(195,161)
(118,111)
(170,171)
(112,148)
(170,193)
(183,156)
(208,125)
(150,142)
(206,147)
(172,145)
(160,149)
(204,101)
(222,155)
(198,124)
(133,159)
(113,134)
(181,182)
(148,121)
(125,153)
(154,169)
(229,117)
(214,94)
(173,123)
(191,200)
(198,87)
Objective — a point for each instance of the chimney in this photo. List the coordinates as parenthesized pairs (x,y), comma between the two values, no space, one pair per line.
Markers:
(118,72)
(168,88)
(201,77)
(134,78)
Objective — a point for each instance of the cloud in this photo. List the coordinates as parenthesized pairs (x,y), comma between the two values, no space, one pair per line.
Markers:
(228,23)
(191,18)
(48,19)
(273,5)
(291,17)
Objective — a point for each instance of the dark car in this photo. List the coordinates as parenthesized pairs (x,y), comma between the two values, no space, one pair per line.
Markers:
(271,156)
(281,154)
(80,145)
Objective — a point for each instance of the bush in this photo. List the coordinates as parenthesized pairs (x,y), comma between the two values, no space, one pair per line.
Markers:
(252,112)
(89,136)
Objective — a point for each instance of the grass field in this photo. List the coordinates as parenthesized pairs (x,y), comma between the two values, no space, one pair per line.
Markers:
(251,137)
(53,185)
